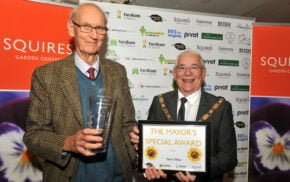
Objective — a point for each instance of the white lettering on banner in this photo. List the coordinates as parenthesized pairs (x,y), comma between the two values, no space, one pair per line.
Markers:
(275,61)
(25,46)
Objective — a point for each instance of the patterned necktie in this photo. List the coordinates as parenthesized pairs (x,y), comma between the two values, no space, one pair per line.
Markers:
(181,111)
(91,72)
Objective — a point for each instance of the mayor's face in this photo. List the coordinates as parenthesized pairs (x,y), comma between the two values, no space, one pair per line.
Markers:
(189,73)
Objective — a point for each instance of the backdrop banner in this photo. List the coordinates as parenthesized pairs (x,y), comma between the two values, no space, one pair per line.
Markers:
(270,104)
(146,41)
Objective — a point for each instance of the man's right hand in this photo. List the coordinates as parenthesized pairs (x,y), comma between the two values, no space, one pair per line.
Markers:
(83,141)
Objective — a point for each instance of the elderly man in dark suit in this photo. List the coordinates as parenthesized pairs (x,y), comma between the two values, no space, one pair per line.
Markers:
(55,124)
(198,105)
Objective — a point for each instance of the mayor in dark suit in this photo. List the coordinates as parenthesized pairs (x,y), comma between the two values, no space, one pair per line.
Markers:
(55,127)
(191,103)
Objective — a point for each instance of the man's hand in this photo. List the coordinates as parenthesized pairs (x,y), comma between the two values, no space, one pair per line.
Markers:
(185,177)
(83,141)
(134,137)
(152,173)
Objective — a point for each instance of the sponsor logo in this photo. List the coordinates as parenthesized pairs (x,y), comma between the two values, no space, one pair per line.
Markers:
(121,30)
(207,87)
(230,37)
(221,87)
(203,22)
(243,75)
(150,86)
(242,88)
(241,174)
(223,75)
(244,26)
(144,32)
(167,71)
(226,62)
(144,71)
(211,36)
(204,48)
(224,24)
(243,39)
(128,16)
(190,34)
(122,43)
(241,137)
(245,63)
(111,54)
(244,50)
(240,124)
(163,60)
(137,59)
(139,98)
(179,46)
(209,61)
(276,64)
(174,33)
(184,21)
(242,100)
(156,18)
(152,45)
(226,49)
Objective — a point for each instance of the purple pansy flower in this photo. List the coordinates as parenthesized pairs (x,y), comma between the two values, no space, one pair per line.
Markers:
(15,164)
(271,149)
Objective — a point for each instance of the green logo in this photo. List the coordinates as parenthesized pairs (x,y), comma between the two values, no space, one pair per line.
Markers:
(211,36)
(225,62)
(113,42)
(162,60)
(243,88)
(135,71)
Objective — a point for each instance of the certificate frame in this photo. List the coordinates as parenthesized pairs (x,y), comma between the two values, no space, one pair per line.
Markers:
(174,146)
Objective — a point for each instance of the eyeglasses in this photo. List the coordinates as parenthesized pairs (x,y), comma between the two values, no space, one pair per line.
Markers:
(88,29)
(192,68)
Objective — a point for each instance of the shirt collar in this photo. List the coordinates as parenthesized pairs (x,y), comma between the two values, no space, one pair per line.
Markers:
(83,66)
(192,98)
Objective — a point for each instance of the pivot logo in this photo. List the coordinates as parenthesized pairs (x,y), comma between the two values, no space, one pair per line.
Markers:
(221,87)
(209,61)
(179,46)
(174,33)
(191,35)
(156,18)
(242,113)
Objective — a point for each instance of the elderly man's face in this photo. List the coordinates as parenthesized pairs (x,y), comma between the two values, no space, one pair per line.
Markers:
(87,43)
(189,73)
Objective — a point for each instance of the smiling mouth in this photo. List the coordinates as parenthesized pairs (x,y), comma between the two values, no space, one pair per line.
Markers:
(188,80)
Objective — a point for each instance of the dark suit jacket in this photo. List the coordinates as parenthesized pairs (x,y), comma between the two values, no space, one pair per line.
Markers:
(55,113)
(223,137)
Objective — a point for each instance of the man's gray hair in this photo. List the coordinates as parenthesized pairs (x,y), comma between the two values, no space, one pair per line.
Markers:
(192,52)
(75,10)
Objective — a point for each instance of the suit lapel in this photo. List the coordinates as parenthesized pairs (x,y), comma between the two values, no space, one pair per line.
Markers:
(107,77)
(172,104)
(70,87)
(204,106)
